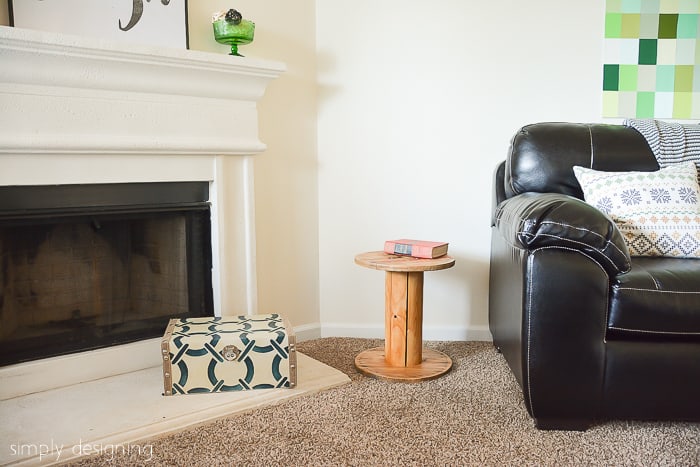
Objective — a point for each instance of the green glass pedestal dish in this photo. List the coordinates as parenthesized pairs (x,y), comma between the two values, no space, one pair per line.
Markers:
(226,32)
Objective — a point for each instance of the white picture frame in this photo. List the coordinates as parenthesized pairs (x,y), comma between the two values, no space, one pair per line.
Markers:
(151,22)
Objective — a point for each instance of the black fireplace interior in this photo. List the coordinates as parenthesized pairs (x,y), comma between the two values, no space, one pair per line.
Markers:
(90,266)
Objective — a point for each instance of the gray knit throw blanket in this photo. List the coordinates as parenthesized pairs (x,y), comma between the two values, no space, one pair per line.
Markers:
(671,142)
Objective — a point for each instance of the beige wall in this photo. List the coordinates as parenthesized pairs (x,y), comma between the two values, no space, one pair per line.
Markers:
(286,174)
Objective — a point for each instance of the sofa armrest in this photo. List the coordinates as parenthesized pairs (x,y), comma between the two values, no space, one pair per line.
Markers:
(551,220)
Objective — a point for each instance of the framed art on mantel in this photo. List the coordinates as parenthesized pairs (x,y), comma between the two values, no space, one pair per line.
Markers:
(151,22)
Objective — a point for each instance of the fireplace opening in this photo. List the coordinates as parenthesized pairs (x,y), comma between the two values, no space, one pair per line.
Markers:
(90,266)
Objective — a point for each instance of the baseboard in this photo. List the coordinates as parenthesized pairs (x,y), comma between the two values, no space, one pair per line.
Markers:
(50,373)
(306,332)
(430,333)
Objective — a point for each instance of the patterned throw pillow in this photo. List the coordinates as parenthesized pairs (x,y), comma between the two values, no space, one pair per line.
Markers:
(658,213)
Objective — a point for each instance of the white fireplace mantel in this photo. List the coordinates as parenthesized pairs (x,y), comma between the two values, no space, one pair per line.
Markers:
(81,110)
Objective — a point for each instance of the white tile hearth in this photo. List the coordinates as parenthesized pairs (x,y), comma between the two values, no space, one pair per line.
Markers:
(54,426)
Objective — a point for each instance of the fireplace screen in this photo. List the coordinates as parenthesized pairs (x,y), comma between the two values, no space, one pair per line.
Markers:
(78,276)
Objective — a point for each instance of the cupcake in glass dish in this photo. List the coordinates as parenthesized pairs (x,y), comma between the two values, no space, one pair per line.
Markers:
(230,28)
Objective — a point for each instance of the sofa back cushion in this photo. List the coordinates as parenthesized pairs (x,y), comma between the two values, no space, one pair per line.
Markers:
(542,155)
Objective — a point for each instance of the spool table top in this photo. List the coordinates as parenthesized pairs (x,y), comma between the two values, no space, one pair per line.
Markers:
(402,263)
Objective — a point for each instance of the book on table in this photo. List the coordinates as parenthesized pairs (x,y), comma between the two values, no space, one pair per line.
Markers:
(415,248)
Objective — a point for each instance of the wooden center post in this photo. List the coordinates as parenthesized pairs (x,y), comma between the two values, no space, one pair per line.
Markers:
(403,344)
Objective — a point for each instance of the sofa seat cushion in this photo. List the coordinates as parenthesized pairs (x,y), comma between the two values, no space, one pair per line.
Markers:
(657,298)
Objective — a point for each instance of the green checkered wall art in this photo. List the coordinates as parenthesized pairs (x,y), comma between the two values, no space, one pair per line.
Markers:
(652,52)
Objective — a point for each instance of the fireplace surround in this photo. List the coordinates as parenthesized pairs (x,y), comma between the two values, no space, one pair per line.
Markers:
(95,265)
(77,111)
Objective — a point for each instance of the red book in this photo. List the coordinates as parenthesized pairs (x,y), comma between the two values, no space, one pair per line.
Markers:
(416,248)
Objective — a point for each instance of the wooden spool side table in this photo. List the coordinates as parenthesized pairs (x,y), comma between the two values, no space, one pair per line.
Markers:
(403,357)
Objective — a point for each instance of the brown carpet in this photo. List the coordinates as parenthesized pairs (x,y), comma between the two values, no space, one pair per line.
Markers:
(474,415)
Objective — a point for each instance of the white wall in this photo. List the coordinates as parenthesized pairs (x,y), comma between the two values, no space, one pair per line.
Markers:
(417,103)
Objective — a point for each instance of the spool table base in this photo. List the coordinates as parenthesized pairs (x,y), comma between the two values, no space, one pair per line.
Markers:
(373,363)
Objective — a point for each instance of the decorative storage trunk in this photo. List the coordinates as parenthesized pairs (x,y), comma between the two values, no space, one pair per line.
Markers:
(232,353)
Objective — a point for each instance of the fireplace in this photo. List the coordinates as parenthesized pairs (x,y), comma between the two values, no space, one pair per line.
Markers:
(79,112)
(91,266)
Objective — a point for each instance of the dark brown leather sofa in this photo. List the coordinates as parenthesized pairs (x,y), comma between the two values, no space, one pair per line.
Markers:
(589,332)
